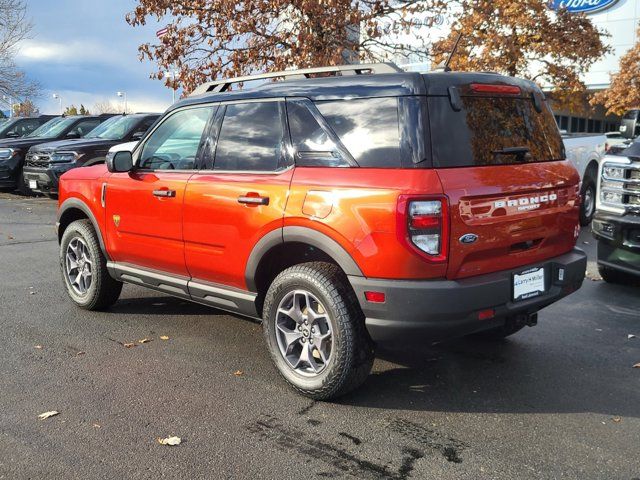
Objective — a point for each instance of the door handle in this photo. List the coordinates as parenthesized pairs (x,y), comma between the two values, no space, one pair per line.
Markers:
(253,200)
(164,193)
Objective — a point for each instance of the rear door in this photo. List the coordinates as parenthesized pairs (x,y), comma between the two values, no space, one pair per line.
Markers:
(501,162)
(144,206)
(239,196)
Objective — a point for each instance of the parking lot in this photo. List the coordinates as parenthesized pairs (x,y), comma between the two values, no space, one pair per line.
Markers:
(561,400)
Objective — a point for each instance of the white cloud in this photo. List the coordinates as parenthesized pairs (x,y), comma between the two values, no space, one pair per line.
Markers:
(75,51)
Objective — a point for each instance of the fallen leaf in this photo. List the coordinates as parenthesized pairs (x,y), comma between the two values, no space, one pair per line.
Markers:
(129,345)
(38,347)
(170,441)
(238,373)
(629,336)
(598,329)
(9,237)
(32,292)
(586,243)
(164,337)
(44,415)
(616,419)
(79,353)
(96,425)
(144,340)
(637,365)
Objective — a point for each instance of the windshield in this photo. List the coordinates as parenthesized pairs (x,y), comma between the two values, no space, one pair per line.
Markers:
(52,128)
(116,128)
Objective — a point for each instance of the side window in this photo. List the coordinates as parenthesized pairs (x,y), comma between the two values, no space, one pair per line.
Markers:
(311,143)
(174,144)
(251,138)
(368,128)
(24,127)
(84,126)
(144,125)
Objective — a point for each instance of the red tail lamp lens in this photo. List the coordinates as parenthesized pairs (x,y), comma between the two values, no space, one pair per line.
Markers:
(375,297)
(486,314)
(496,89)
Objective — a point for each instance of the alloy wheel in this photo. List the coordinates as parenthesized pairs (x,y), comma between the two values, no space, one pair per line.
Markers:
(303,332)
(79,265)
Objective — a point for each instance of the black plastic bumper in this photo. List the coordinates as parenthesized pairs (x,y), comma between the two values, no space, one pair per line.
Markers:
(46,179)
(618,241)
(439,309)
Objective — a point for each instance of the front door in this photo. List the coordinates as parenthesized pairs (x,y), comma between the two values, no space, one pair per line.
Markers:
(144,206)
(238,198)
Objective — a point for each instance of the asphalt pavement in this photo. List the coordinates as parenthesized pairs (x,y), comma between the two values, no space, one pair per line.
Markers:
(559,400)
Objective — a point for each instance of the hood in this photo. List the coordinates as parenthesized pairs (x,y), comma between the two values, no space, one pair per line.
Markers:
(22,143)
(76,144)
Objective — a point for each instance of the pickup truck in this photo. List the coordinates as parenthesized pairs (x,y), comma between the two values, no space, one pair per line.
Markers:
(585,152)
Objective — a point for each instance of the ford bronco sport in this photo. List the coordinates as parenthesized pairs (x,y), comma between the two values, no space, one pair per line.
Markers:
(343,206)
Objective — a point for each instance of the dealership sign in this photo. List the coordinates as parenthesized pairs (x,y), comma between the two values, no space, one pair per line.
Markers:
(582,6)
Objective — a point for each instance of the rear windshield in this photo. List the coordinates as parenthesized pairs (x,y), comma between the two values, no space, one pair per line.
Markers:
(492,131)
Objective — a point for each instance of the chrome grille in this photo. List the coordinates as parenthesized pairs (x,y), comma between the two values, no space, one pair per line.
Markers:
(37,160)
(624,192)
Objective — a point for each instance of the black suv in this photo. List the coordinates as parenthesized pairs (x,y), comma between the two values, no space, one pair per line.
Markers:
(13,151)
(45,163)
(20,126)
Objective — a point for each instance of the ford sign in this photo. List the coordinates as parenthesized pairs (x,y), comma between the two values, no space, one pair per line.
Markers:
(582,6)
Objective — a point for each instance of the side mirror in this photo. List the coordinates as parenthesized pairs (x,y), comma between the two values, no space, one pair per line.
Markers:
(73,135)
(120,162)
(137,135)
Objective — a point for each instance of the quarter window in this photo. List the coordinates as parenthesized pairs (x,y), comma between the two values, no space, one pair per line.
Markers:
(174,144)
(368,128)
(251,138)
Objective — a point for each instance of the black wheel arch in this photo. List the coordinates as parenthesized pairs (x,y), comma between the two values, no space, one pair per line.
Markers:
(289,246)
(73,209)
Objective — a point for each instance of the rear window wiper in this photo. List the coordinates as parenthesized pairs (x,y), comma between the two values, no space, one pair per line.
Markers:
(520,153)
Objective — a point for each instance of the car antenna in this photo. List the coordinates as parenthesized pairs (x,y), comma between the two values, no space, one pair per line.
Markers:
(446,66)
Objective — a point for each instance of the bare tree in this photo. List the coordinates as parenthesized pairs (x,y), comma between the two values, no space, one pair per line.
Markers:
(14,27)
(105,106)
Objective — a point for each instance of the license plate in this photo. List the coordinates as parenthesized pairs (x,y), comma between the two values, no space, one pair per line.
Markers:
(528,284)
(33,184)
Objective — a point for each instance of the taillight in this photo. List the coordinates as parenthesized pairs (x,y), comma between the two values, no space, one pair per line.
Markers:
(495,89)
(424,225)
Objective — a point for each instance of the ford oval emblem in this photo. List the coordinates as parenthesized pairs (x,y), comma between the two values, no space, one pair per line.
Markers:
(468,238)
(582,6)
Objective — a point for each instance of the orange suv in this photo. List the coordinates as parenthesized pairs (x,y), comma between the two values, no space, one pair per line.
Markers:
(343,206)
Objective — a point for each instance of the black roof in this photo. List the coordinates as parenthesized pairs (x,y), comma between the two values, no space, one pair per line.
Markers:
(361,86)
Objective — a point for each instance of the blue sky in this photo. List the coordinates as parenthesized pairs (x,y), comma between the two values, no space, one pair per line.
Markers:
(86,52)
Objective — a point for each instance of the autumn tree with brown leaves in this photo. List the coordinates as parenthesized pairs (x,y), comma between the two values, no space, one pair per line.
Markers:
(524,39)
(25,109)
(624,92)
(209,39)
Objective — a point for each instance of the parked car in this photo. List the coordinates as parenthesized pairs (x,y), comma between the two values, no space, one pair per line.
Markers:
(13,151)
(616,224)
(585,152)
(45,163)
(20,126)
(344,211)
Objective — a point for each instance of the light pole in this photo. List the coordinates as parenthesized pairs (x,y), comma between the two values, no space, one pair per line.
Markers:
(5,98)
(124,96)
(59,98)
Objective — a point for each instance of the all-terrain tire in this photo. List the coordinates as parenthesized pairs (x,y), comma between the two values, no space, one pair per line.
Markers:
(588,203)
(103,290)
(352,352)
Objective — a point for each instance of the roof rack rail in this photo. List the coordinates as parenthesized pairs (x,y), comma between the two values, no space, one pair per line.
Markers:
(219,86)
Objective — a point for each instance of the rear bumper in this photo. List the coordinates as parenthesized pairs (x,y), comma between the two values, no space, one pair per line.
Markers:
(447,308)
(618,241)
